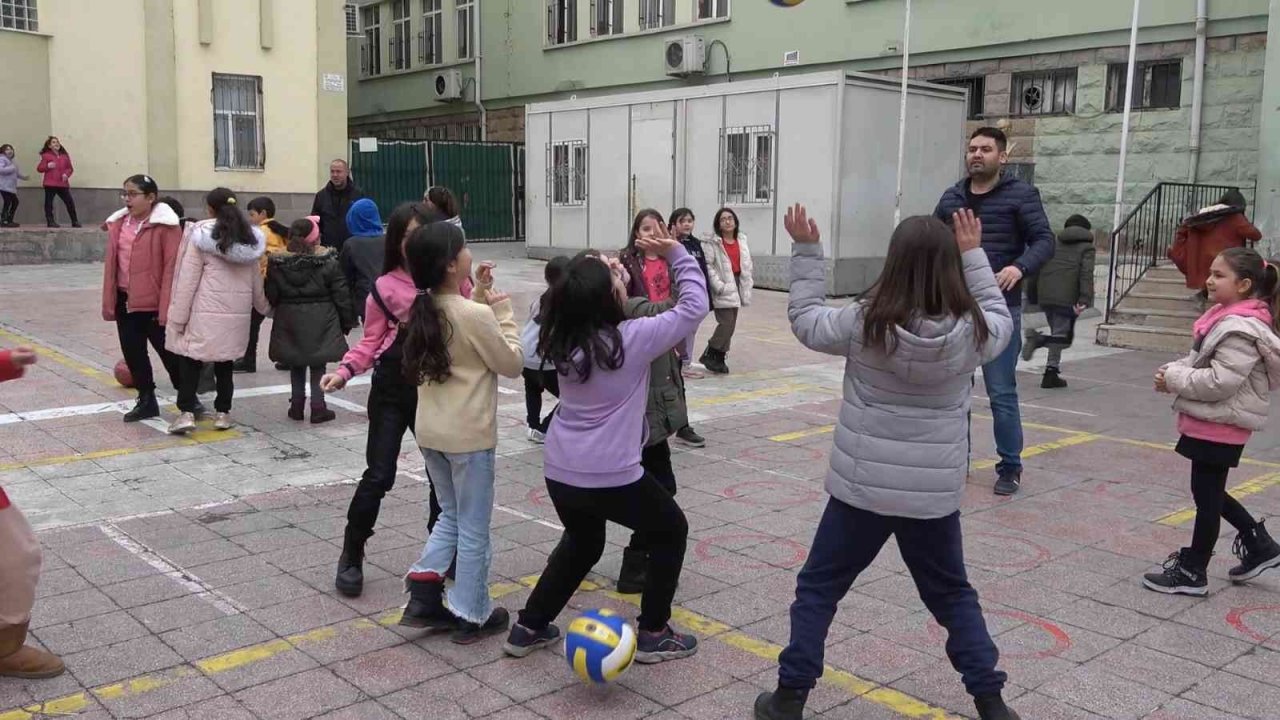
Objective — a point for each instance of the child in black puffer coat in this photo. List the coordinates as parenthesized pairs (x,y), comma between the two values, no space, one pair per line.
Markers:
(313,314)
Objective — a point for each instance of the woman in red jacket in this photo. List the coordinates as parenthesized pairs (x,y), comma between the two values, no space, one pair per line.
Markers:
(137,277)
(55,165)
(1200,238)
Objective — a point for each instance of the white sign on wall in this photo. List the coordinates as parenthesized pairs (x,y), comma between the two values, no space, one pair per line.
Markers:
(334,82)
(368,144)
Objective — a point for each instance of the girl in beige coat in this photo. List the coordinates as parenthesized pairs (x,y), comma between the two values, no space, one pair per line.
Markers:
(1222,391)
(217,288)
(729,272)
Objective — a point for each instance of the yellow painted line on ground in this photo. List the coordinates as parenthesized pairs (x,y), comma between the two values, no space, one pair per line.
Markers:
(743,395)
(1244,489)
(47,353)
(799,434)
(1043,448)
(199,437)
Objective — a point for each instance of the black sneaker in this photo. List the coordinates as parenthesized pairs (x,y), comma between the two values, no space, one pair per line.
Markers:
(1009,481)
(469,632)
(245,365)
(781,704)
(1182,575)
(687,436)
(666,645)
(522,641)
(1052,380)
(1257,552)
(992,707)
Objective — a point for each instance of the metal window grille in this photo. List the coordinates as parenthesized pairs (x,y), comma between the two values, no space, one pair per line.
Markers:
(567,173)
(977,87)
(657,13)
(1160,85)
(19,15)
(466,21)
(708,9)
(562,21)
(1049,92)
(237,122)
(606,17)
(351,14)
(746,165)
(401,37)
(431,39)
(371,51)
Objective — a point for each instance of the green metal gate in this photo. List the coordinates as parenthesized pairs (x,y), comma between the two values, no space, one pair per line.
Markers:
(485,177)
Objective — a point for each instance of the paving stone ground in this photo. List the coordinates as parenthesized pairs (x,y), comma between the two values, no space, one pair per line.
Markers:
(193,578)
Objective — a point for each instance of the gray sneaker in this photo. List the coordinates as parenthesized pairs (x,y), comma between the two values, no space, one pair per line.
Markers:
(183,424)
(666,645)
(222,421)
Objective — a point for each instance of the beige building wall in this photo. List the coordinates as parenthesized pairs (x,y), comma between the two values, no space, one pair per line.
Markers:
(24,113)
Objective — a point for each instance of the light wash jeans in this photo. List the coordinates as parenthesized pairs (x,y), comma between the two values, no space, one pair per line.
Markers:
(464,486)
(1001,378)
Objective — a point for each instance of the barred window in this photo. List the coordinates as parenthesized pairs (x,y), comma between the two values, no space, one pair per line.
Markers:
(401,36)
(237,122)
(562,21)
(352,16)
(976,86)
(1049,92)
(708,9)
(746,165)
(431,39)
(657,13)
(567,173)
(606,17)
(1159,85)
(466,32)
(19,15)
(371,53)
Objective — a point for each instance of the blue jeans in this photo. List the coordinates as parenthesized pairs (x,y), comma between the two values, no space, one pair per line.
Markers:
(847,541)
(464,485)
(1001,378)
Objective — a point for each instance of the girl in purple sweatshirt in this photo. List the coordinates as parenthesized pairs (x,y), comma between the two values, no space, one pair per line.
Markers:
(592,458)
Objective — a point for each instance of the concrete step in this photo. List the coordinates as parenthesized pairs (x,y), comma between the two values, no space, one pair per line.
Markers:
(1127,314)
(1163,286)
(32,245)
(1164,272)
(1162,300)
(1139,337)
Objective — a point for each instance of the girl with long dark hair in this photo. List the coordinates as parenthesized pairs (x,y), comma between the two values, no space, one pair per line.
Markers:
(730,273)
(55,165)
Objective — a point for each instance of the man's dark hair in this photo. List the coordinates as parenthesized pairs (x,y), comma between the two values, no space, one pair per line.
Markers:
(1002,140)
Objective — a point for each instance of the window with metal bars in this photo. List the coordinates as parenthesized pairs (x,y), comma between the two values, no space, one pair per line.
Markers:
(746,165)
(19,15)
(1044,92)
(562,21)
(431,39)
(606,17)
(1159,85)
(237,122)
(976,86)
(401,35)
(567,173)
(351,14)
(371,53)
(657,13)
(466,10)
(708,9)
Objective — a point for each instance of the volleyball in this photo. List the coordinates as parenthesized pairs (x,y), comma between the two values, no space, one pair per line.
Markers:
(123,376)
(599,645)
(786,3)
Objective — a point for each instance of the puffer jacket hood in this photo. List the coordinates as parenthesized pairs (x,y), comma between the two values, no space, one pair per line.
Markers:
(313,311)
(239,253)
(1073,235)
(363,219)
(925,354)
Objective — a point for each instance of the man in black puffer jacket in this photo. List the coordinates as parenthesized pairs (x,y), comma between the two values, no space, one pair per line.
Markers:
(1018,240)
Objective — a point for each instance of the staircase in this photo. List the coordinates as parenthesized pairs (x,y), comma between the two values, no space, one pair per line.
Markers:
(1156,314)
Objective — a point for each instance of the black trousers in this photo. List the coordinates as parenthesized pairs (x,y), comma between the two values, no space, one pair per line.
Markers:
(535,381)
(10,206)
(255,330)
(60,192)
(393,404)
(223,373)
(135,330)
(644,506)
(656,460)
(298,379)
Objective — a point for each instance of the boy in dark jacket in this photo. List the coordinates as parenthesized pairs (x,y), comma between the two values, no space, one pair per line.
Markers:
(362,254)
(1063,289)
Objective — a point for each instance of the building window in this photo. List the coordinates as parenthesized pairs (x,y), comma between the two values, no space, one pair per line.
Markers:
(237,122)
(708,9)
(371,58)
(401,36)
(567,173)
(18,15)
(976,86)
(1051,92)
(351,14)
(466,28)
(562,21)
(471,133)
(606,17)
(657,13)
(1159,85)
(746,165)
(431,39)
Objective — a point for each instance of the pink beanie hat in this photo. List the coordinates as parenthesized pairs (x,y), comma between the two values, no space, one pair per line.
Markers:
(313,237)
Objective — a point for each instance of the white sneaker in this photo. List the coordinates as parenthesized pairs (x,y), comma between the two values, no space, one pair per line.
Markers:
(222,421)
(535,436)
(185,423)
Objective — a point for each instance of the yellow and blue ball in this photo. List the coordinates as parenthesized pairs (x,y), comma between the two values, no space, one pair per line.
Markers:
(599,646)
(787,3)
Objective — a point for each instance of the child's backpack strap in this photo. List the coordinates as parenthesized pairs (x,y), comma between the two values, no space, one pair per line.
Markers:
(382,305)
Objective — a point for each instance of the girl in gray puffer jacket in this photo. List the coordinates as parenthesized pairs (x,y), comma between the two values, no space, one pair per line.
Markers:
(911,343)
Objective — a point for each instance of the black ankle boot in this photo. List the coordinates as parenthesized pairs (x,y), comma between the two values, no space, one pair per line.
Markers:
(350,578)
(1257,552)
(635,565)
(781,704)
(713,360)
(146,407)
(992,707)
(426,606)
(1052,380)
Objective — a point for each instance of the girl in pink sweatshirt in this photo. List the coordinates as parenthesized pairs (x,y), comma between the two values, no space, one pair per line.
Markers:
(1222,391)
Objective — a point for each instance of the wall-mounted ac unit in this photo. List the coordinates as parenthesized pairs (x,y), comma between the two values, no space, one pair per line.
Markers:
(448,85)
(352,13)
(684,56)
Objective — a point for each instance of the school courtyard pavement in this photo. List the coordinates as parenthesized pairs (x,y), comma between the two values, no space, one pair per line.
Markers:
(192,578)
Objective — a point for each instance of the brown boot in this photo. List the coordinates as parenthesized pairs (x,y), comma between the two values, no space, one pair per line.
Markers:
(25,661)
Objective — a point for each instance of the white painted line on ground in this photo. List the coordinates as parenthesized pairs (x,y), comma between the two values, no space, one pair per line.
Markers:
(1041,407)
(507,391)
(186,579)
(503,508)
(344,404)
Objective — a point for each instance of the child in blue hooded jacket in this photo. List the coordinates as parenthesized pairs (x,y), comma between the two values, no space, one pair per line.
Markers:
(363,253)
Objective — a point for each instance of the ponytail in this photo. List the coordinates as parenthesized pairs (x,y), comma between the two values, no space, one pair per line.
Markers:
(1270,292)
(428,252)
(230,225)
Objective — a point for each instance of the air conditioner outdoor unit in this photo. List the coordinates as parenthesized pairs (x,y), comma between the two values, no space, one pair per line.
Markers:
(684,56)
(448,85)
(352,14)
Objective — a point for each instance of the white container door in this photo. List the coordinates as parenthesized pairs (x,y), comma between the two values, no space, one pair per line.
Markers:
(653,146)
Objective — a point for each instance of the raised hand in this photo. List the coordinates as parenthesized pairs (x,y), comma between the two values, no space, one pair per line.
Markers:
(484,273)
(660,244)
(968,230)
(496,296)
(332,382)
(801,228)
(23,356)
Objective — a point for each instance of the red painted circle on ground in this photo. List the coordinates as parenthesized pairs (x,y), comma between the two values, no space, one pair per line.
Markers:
(702,550)
(1039,553)
(1236,619)
(740,491)
(780,453)
(538,496)
(1061,640)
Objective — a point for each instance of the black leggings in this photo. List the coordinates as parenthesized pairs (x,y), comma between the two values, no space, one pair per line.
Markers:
(298,378)
(191,370)
(65,193)
(656,461)
(535,381)
(10,206)
(1213,503)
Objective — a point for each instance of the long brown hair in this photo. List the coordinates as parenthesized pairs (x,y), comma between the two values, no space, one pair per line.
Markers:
(923,276)
(428,253)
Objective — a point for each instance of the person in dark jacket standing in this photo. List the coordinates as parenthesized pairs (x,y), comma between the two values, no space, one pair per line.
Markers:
(1063,289)
(1018,240)
(363,253)
(332,203)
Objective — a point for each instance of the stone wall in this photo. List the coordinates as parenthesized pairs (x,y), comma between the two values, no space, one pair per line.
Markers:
(458,126)
(506,124)
(93,205)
